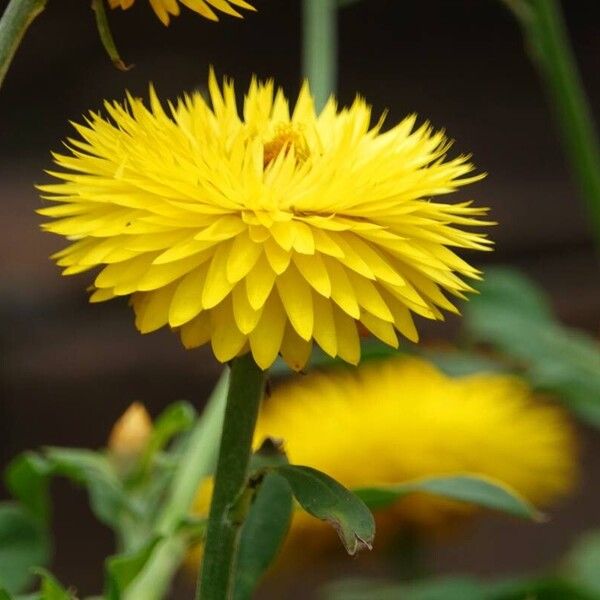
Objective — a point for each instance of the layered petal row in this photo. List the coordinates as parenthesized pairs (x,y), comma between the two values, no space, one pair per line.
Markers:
(165,9)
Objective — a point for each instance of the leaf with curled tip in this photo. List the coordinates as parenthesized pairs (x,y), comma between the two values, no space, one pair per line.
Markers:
(326,499)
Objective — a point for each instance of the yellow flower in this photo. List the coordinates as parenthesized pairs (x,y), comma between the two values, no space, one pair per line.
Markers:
(165,8)
(402,419)
(266,232)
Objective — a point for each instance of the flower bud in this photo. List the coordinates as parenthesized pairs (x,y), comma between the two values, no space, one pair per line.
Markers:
(130,434)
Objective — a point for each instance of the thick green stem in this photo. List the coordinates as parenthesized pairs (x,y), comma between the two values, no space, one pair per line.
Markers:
(320,48)
(17,17)
(551,52)
(246,389)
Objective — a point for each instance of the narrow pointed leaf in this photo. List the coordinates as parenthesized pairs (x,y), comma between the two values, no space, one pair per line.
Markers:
(473,489)
(122,569)
(263,533)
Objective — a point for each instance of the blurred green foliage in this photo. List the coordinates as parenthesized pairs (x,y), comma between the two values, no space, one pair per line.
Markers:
(577,578)
(513,317)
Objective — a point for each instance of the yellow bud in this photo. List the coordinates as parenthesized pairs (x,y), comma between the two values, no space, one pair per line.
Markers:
(131,432)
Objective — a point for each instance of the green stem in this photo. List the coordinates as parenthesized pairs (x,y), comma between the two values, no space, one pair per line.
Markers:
(196,464)
(246,390)
(320,48)
(552,53)
(106,36)
(17,17)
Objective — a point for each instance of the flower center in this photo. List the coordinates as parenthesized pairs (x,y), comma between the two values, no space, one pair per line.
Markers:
(286,138)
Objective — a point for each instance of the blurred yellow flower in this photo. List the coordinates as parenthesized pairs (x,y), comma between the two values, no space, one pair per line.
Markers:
(131,433)
(266,232)
(165,8)
(392,421)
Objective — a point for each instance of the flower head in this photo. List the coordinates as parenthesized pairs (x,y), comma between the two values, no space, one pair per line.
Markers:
(269,231)
(397,420)
(164,9)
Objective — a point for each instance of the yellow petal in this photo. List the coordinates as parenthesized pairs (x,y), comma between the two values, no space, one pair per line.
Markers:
(324,327)
(101,295)
(369,297)
(227,340)
(152,308)
(259,283)
(295,350)
(223,228)
(184,249)
(342,293)
(159,275)
(278,258)
(124,272)
(187,300)
(296,298)
(403,321)
(265,339)
(217,286)
(197,332)
(246,317)
(304,242)
(314,271)
(384,330)
(243,256)
(347,337)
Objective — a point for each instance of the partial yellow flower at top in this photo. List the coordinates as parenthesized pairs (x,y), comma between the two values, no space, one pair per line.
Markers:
(267,231)
(164,9)
(402,419)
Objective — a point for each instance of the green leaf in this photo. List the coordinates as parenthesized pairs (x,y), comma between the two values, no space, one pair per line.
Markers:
(122,569)
(51,589)
(270,454)
(24,544)
(263,533)
(451,588)
(548,588)
(473,489)
(192,529)
(27,480)
(457,588)
(175,419)
(92,470)
(583,562)
(326,499)
(512,315)
(457,363)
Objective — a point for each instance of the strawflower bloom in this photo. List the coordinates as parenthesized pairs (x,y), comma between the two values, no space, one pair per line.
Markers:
(269,231)
(164,9)
(402,419)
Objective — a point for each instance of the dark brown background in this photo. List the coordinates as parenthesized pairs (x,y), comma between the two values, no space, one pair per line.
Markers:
(69,369)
